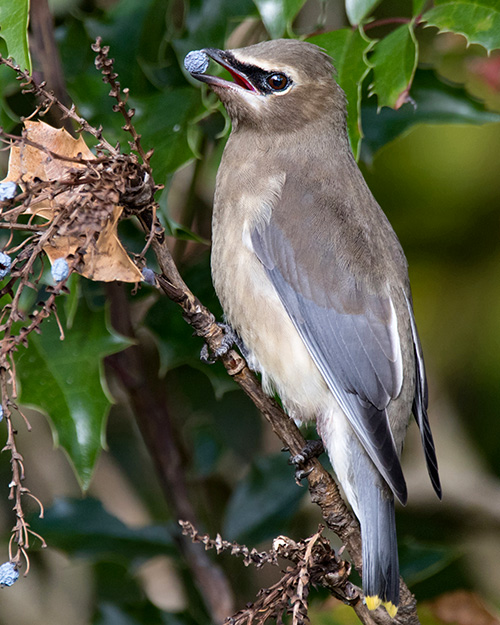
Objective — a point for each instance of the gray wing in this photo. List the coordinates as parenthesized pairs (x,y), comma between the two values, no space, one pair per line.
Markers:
(350,331)
(420,408)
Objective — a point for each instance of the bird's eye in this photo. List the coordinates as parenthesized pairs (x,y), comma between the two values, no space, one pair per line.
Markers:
(277,82)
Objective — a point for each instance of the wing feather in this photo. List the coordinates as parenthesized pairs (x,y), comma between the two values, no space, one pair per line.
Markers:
(420,409)
(358,354)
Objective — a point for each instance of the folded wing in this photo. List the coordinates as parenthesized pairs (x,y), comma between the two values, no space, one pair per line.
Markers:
(349,330)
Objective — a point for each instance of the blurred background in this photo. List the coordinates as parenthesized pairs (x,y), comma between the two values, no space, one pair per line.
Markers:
(113,555)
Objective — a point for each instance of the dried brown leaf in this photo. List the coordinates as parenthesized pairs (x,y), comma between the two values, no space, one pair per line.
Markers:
(109,261)
(28,163)
(89,206)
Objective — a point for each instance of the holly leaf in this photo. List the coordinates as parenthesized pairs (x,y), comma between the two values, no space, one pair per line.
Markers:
(420,561)
(263,502)
(278,15)
(14,30)
(434,103)
(83,527)
(394,62)
(183,233)
(418,6)
(348,49)
(208,23)
(358,10)
(165,120)
(477,20)
(64,380)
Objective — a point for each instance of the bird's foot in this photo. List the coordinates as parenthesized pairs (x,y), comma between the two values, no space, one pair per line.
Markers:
(312,449)
(300,474)
(229,339)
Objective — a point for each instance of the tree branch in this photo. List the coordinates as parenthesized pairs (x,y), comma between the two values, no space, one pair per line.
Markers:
(45,51)
(148,400)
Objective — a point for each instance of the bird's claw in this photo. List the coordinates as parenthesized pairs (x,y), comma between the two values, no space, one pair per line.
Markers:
(312,449)
(300,474)
(228,340)
(206,356)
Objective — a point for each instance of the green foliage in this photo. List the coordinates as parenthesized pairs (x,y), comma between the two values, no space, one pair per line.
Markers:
(419,562)
(434,103)
(165,119)
(394,62)
(13,29)
(64,379)
(83,528)
(278,15)
(418,6)
(477,20)
(208,24)
(348,49)
(262,502)
(358,10)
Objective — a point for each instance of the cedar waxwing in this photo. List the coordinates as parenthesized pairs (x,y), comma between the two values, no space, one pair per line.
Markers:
(313,280)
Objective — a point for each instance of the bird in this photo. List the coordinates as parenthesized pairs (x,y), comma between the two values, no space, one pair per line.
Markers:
(313,281)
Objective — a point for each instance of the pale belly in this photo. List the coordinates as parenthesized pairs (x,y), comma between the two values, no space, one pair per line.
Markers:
(276,350)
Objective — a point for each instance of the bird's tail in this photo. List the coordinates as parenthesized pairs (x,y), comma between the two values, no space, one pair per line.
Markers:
(380,556)
(373,503)
(379,541)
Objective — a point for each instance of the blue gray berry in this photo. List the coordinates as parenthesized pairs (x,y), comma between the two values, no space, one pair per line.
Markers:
(60,269)
(149,276)
(7,190)
(8,574)
(196,62)
(5,264)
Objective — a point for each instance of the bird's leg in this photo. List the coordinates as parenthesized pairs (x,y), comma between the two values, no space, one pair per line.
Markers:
(312,449)
(230,338)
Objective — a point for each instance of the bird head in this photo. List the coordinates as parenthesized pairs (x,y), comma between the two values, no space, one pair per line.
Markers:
(276,86)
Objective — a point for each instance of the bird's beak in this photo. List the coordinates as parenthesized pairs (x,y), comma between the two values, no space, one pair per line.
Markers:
(227,61)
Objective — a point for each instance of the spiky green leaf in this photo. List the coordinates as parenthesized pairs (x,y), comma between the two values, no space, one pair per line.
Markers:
(64,380)
(348,49)
(14,30)
(477,20)
(394,61)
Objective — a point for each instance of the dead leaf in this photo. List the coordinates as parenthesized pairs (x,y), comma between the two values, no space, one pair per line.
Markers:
(104,259)
(27,163)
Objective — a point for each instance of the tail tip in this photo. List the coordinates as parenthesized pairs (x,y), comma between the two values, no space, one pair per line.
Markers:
(391,608)
(374,601)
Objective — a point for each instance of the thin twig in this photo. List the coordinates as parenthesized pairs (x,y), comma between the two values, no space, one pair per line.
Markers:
(315,564)
(105,65)
(386,21)
(49,99)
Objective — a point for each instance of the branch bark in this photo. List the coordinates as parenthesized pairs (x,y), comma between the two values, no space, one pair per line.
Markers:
(148,399)
(323,489)
(45,51)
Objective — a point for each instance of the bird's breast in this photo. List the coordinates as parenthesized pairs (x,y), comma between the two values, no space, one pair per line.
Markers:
(253,308)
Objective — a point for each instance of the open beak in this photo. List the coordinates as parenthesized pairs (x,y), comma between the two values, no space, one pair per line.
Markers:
(227,61)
